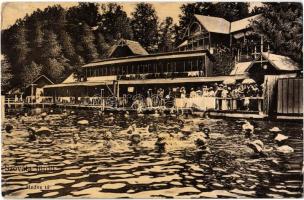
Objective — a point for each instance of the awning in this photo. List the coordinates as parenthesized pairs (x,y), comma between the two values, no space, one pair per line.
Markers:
(86,84)
(181,80)
(151,57)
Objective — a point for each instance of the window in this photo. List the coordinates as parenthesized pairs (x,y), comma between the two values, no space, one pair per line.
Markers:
(94,72)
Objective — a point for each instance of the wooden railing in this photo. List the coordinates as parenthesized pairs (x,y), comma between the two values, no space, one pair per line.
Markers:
(165,75)
(221,104)
(244,103)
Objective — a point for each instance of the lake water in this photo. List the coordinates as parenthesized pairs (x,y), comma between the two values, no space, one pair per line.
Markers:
(113,169)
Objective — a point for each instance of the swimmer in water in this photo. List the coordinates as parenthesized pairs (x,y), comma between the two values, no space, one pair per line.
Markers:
(107,139)
(9,128)
(76,137)
(202,145)
(160,144)
(206,131)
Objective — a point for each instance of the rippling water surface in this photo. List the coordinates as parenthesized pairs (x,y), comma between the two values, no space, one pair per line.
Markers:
(98,169)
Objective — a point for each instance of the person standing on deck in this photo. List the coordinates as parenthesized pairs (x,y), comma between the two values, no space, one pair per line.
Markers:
(177,93)
(205,92)
(199,92)
(183,92)
(248,94)
(211,92)
(183,97)
(234,95)
(192,93)
(240,101)
(149,99)
(160,95)
(225,96)
(218,94)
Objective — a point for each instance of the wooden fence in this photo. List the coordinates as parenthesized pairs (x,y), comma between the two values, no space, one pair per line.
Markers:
(290,96)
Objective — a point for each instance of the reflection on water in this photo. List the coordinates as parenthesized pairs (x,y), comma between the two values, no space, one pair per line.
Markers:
(113,169)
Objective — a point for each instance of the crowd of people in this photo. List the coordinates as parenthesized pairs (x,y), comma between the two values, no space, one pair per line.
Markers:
(228,97)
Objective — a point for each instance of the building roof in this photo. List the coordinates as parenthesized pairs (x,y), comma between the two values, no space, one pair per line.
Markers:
(150,57)
(87,84)
(69,79)
(280,62)
(220,25)
(181,80)
(214,24)
(241,68)
(243,23)
(134,46)
(43,76)
(185,43)
(39,77)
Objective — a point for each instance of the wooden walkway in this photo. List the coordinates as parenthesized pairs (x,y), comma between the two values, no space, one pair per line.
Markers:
(210,113)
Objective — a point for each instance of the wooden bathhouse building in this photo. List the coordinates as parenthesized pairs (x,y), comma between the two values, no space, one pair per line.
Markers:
(129,68)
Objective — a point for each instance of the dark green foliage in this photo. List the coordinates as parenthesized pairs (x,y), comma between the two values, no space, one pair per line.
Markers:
(56,39)
(282,27)
(166,35)
(145,25)
(115,23)
(6,74)
(30,73)
(87,41)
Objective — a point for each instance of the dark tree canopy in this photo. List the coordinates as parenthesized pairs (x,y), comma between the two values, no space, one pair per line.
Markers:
(57,41)
(145,26)
(115,23)
(166,35)
(6,73)
(282,26)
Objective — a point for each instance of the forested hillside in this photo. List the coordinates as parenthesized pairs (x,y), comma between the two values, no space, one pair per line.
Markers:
(57,41)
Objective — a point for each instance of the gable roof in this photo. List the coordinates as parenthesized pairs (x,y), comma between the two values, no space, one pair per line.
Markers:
(39,77)
(241,68)
(221,25)
(134,46)
(43,76)
(243,23)
(214,24)
(280,62)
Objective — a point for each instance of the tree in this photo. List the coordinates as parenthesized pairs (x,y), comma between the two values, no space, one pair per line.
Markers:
(67,46)
(6,73)
(54,69)
(84,13)
(20,48)
(37,42)
(166,35)
(282,26)
(87,40)
(144,25)
(30,73)
(51,46)
(102,46)
(115,23)
(78,71)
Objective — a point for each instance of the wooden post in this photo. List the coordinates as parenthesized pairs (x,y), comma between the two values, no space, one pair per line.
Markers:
(2,109)
(209,41)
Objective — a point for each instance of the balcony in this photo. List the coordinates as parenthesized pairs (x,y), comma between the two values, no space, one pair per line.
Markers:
(164,75)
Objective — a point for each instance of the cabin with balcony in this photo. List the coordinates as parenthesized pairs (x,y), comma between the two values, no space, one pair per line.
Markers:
(207,32)
(115,75)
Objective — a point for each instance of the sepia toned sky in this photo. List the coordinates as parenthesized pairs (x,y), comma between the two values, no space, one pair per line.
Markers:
(11,11)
